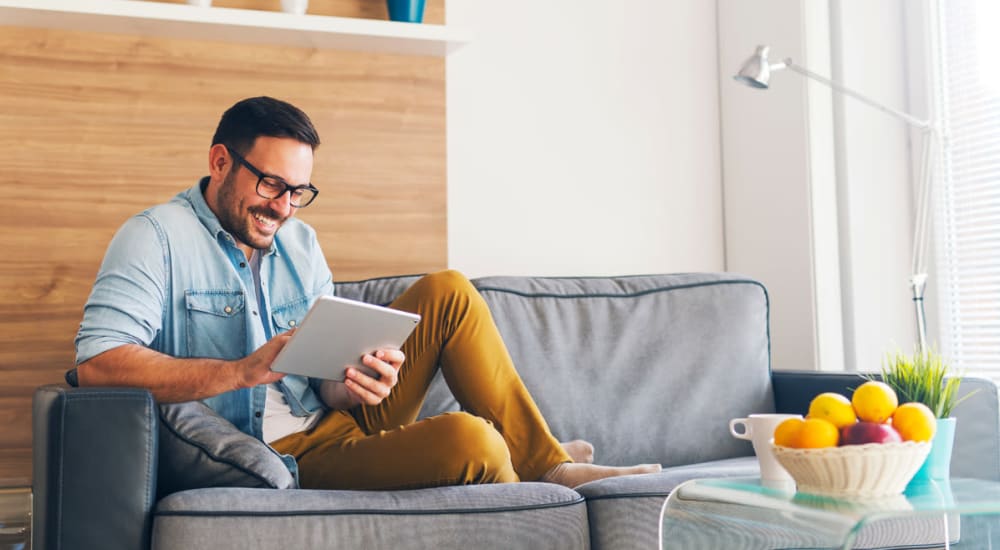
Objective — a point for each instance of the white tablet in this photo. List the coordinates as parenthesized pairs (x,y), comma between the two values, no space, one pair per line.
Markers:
(336,332)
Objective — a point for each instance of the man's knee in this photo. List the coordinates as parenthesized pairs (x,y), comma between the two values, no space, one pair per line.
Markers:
(479,447)
(446,282)
(475,432)
(450,289)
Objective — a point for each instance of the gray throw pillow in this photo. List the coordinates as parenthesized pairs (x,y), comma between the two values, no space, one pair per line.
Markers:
(199,448)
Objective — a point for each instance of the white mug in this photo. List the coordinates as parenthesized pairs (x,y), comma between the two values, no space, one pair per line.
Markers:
(759,429)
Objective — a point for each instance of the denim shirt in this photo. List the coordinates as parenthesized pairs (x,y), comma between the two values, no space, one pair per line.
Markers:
(174,280)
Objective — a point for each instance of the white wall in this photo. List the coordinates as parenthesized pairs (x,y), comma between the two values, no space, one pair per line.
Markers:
(778,166)
(583,138)
(589,137)
(878,203)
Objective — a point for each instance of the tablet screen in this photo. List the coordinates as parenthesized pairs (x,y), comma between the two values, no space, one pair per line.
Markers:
(337,332)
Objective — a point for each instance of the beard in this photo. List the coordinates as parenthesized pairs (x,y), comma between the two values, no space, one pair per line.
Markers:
(237,219)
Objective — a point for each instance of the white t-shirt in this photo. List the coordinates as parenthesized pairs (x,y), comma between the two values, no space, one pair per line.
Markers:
(278,418)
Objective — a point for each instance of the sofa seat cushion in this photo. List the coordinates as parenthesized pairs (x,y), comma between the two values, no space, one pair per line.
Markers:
(510,515)
(625,511)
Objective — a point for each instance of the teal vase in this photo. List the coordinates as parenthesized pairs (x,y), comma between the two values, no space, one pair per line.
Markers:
(409,11)
(938,463)
(930,494)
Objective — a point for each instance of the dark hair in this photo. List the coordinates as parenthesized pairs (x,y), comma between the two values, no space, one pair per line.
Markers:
(251,118)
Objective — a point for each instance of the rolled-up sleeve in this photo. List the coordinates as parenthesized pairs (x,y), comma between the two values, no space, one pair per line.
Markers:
(126,305)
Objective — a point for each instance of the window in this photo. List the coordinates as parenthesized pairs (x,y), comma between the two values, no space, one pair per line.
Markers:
(967,203)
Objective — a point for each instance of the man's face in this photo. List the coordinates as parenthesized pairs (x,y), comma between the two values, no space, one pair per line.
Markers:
(250,218)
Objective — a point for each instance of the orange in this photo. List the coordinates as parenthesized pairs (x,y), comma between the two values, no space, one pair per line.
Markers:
(786,434)
(874,401)
(817,433)
(833,407)
(914,422)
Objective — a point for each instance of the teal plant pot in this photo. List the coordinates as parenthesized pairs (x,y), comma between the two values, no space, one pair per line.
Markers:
(408,11)
(938,463)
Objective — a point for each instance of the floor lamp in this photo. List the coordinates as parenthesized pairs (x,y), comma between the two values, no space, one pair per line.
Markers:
(756,72)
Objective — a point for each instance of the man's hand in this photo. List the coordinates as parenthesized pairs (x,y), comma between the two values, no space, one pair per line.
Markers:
(371,391)
(358,388)
(255,368)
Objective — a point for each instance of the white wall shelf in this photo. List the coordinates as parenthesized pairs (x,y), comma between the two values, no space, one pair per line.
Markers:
(183,21)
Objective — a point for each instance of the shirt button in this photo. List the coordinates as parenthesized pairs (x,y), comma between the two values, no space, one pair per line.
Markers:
(243,264)
(255,313)
(291,323)
(257,414)
(228,309)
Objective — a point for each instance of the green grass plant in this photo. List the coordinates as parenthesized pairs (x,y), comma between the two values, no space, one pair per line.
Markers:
(922,376)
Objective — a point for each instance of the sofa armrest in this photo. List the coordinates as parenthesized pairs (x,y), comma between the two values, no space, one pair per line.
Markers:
(977,437)
(94,460)
(793,390)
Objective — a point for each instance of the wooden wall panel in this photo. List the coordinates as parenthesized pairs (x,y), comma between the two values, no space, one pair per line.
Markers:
(94,128)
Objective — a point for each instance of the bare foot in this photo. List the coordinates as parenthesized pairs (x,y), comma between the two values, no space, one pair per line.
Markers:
(572,475)
(580,451)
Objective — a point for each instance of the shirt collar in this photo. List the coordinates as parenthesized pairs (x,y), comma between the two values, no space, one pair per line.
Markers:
(196,196)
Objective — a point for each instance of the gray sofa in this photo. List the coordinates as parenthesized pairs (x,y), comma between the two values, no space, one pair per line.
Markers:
(648,368)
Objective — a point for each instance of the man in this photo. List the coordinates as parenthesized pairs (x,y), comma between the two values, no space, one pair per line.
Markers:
(195,298)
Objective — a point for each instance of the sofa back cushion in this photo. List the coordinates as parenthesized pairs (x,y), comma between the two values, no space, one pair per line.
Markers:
(380,291)
(648,368)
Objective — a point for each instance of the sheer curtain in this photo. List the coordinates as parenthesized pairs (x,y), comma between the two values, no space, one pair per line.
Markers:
(967,211)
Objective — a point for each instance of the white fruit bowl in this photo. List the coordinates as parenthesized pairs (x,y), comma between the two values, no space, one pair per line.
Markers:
(851,471)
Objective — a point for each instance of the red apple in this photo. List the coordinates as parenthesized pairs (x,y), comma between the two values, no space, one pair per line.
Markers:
(860,433)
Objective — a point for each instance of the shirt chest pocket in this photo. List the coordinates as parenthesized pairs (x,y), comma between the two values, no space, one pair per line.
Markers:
(289,316)
(216,323)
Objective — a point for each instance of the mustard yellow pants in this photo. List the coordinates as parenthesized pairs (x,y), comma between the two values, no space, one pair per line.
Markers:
(501,438)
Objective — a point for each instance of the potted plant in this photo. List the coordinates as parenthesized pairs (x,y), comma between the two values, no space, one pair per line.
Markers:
(923,377)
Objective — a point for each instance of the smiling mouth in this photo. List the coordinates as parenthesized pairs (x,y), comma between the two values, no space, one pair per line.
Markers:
(265,221)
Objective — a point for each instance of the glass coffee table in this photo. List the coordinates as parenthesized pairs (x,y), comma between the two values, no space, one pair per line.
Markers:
(736,513)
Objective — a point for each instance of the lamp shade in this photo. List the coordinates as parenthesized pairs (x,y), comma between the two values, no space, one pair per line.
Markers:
(755,71)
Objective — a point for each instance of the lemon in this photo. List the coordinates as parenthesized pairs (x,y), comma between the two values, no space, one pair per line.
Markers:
(786,434)
(874,401)
(817,433)
(833,407)
(914,422)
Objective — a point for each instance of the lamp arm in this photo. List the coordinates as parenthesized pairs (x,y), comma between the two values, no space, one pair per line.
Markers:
(925,179)
(909,119)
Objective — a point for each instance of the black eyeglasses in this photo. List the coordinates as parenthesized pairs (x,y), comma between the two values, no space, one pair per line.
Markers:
(273,187)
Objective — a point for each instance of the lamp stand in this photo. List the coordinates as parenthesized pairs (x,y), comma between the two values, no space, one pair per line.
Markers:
(918,282)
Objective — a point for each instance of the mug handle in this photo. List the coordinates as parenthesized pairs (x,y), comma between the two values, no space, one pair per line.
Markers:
(746,429)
